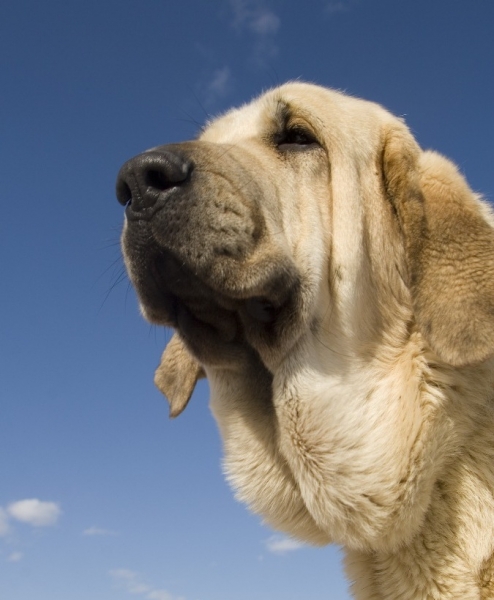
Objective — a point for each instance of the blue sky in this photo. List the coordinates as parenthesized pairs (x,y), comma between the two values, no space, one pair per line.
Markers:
(101,495)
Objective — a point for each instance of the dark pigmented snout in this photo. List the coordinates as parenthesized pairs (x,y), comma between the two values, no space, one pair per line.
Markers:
(148,178)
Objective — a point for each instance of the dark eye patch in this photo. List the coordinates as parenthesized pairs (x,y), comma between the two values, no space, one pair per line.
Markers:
(295,139)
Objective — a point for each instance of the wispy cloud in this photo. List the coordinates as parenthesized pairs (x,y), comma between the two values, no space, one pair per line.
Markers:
(339,6)
(94,531)
(31,511)
(15,557)
(220,83)
(35,512)
(254,16)
(214,86)
(278,544)
(257,24)
(257,19)
(132,583)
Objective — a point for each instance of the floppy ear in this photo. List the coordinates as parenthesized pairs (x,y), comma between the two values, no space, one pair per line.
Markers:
(449,245)
(177,375)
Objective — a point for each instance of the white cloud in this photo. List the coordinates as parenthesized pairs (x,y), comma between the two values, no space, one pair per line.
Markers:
(159,595)
(35,512)
(257,19)
(281,545)
(131,582)
(4,523)
(92,531)
(266,23)
(220,82)
(335,7)
(254,16)
(215,86)
(15,557)
(339,6)
(258,25)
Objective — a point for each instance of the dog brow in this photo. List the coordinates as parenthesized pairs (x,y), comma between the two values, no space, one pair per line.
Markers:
(282,115)
(286,113)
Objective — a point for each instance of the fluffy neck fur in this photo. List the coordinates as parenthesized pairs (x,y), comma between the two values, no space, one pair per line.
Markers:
(391,458)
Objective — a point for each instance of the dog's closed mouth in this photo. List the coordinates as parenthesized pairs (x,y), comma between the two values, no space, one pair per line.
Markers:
(261,309)
(173,295)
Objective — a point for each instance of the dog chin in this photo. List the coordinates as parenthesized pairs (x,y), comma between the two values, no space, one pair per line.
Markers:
(218,326)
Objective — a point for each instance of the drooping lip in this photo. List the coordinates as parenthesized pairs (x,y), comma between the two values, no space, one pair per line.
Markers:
(263,294)
(172,294)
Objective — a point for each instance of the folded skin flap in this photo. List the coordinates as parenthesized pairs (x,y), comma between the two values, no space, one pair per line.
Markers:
(177,375)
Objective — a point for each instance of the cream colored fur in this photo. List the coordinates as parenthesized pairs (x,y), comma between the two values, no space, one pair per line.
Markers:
(373,426)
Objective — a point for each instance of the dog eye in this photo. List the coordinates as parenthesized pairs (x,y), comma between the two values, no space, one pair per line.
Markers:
(295,139)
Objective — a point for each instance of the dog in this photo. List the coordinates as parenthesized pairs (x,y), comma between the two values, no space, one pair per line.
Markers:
(335,284)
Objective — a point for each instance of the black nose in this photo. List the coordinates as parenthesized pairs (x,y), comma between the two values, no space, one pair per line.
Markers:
(148,177)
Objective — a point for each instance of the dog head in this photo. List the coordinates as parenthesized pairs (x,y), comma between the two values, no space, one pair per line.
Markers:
(306,213)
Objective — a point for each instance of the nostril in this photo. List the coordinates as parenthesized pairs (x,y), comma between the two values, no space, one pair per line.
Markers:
(124,194)
(147,179)
(157,180)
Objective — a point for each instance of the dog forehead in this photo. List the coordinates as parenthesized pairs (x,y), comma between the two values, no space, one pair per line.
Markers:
(263,113)
(333,113)
(247,121)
